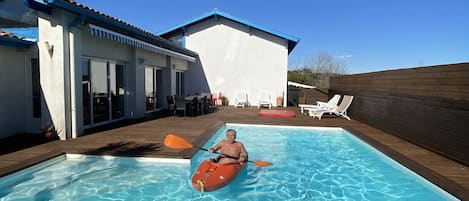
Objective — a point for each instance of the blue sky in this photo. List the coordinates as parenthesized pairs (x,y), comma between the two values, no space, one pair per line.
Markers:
(366,35)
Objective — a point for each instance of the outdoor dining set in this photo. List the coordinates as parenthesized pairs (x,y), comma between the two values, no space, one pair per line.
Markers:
(198,104)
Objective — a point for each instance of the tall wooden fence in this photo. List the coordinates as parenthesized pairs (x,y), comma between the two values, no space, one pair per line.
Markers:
(428,106)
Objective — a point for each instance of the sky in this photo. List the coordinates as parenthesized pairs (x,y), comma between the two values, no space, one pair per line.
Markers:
(365,35)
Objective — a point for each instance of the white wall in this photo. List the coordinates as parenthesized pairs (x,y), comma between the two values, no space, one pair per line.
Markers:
(234,57)
(61,71)
(53,68)
(15,91)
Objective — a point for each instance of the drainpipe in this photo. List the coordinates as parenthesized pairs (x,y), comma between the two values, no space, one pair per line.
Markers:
(73,124)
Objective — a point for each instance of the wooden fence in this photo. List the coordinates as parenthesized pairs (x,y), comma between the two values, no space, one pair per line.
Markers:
(428,106)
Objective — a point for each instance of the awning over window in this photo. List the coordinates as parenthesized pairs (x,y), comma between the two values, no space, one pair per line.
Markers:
(112,35)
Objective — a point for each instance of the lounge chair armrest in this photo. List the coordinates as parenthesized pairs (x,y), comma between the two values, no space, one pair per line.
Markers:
(320,102)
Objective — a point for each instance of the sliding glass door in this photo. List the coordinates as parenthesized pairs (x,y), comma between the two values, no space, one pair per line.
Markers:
(153,84)
(117,90)
(103,91)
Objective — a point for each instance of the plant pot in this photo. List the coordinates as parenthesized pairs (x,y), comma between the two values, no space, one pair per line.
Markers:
(279,101)
(49,135)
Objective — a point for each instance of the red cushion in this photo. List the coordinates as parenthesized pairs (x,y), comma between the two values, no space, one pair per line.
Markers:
(277,113)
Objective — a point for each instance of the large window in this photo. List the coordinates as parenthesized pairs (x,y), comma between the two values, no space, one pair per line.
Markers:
(103,91)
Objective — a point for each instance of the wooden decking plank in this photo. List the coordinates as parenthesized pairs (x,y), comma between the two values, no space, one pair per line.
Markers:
(145,139)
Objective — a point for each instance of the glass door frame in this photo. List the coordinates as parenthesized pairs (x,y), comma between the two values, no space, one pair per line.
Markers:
(156,82)
(89,84)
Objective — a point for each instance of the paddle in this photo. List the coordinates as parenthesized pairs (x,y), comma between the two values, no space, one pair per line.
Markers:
(176,142)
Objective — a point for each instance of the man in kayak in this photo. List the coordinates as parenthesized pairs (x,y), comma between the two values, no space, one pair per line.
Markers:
(231,150)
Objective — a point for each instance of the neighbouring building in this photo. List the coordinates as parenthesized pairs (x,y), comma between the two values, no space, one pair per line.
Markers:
(234,54)
(20,104)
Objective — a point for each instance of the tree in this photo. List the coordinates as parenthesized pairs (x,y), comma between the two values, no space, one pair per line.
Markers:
(318,71)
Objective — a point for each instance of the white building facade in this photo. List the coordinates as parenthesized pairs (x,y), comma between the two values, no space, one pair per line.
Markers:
(235,55)
(86,69)
(94,70)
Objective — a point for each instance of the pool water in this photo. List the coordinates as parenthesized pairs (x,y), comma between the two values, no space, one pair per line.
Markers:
(308,164)
(81,177)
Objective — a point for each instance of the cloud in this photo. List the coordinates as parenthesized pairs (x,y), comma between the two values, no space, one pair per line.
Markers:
(344,56)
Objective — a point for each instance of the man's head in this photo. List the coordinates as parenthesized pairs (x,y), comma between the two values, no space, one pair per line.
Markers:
(231,134)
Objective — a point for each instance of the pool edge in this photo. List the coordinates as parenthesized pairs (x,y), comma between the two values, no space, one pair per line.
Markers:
(437,179)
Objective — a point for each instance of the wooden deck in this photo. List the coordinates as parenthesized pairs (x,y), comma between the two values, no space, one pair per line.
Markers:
(146,139)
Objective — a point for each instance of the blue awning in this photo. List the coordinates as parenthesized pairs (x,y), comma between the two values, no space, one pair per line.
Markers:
(112,35)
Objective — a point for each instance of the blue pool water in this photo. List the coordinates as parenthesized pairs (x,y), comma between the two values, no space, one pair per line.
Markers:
(308,164)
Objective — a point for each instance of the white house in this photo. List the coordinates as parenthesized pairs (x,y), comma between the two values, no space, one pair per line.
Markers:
(234,54)
(94,69)
(84,68)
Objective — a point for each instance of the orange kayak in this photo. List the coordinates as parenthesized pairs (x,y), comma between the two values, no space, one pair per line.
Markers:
(211,176)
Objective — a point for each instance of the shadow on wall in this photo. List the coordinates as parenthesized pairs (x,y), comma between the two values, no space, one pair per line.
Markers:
(46,116)
(196,80)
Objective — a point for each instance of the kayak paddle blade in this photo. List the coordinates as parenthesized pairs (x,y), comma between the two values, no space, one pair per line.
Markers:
(262,163)
(176,142)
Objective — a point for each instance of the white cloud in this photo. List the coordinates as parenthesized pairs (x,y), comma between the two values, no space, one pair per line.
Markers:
(344,56)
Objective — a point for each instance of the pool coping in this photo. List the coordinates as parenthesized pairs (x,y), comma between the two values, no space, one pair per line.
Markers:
(442,182)
(152,132)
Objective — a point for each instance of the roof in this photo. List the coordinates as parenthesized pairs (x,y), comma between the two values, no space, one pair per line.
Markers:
(10,39)
(29,33)
(292,41)
(96,17)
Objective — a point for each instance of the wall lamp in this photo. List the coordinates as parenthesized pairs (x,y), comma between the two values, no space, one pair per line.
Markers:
(50,48)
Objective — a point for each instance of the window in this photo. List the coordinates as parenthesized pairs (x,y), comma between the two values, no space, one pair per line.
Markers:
(36,88)
(180,89)
(153,84)
(103,91)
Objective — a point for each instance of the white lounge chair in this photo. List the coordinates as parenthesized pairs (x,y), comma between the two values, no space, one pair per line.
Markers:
(340,111)
(333,102)
(241,100)
(265,100)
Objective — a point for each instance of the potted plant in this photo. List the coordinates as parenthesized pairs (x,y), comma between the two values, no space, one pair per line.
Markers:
(279,101)
(49,132)
(224,101)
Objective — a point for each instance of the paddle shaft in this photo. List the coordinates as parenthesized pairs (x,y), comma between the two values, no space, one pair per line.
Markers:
(228,156)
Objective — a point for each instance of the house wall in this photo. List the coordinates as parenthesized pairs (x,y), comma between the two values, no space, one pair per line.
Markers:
(51,66)
(63,70)
(427,106)
(234,57)
(15,91)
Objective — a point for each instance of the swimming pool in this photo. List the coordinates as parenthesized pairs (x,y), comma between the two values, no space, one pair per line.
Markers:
(308,164)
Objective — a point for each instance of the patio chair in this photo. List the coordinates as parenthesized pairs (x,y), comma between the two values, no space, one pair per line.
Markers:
(170,101)
(216,98)
(333,102)
(265,100)
(180,104)
(340,111)
(241,100)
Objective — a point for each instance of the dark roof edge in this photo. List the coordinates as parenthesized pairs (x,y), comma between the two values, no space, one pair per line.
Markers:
(110,21)
(292,41)
(9,39)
